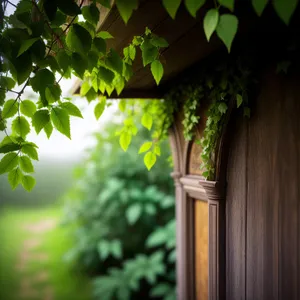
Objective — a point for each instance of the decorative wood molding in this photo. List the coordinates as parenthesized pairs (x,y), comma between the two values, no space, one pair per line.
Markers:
(191,185)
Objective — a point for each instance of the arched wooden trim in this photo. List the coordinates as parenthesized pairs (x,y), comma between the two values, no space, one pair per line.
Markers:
(215,192)
(196,187)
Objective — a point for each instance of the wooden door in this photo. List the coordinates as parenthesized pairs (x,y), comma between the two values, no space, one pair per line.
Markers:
(263,196)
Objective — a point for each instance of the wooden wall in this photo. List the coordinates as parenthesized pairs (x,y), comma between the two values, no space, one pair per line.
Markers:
(263,196)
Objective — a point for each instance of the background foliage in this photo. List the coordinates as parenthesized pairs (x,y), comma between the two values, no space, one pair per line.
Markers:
(122,221)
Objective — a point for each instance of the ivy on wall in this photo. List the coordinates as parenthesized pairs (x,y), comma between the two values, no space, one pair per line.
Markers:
(44,41)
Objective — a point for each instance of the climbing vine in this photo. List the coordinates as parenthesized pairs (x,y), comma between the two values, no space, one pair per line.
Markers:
(43,41)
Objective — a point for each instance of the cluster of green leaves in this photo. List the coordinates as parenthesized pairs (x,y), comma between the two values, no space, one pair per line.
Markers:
(44,41)
(154,115)
(122,220)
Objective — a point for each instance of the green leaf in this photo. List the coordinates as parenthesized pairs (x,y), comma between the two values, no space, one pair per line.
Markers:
(48,129)
(126,8)
(149,160)
(222,107)
(150,209)
(157,70)
(20,126)
(285,9)
(114,61)
(72,109)
(68,7)
(131,52)
(26,164)
(104,35)
(227,3)
(28,182)
(193,6)
(171,6)
(15,177)
(106,75)
(100,45)
(79,64)
(99,108)
(158,237)
(22,67)
(116,249)
(31,151)
(8,162)
(160,290)
(147,121)
(53,93)
(25,45)
(149,52)
(27,108)
(227,29)
(125,140)
(157,150)
(7,82)
(40,119)
(64,60)
(159,42)
(239,100)
(61,121)
(9,147)
(10,108)
(79,39)
(145,147)
(103,249)
(42,79)
(133,213)
(259,6)
(91,13)
(85,87)
(210,22)
(247,112)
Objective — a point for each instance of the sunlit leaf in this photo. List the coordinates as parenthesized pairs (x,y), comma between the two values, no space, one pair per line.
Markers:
(10,108)
(145,147)
(28,182)
(72,109)
(210,22)
(20,126)
(125,140)
(193,6)
(27,108)
(40,119)
(149,160)
(126,8)
(157,70)
(15,177)
(61,121)
(8,162)
(26,164)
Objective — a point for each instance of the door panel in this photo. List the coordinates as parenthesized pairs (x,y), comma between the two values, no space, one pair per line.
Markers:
(201,252)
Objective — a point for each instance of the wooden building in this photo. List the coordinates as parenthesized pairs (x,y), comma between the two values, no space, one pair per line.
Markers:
(238,235)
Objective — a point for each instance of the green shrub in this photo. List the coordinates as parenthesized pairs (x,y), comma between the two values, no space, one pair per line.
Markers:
(122,219)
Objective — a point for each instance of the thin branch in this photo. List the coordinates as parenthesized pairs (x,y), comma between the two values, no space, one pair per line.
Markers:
(12,4)
(7,90)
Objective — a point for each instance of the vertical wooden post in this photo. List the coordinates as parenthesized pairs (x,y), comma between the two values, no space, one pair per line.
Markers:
(216,239)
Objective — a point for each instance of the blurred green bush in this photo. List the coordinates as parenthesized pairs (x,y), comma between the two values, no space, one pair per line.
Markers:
(122,220)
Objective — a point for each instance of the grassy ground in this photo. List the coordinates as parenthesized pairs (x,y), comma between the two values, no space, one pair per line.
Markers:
(38,268)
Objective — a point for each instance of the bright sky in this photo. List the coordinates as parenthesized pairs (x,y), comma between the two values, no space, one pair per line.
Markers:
(60,146)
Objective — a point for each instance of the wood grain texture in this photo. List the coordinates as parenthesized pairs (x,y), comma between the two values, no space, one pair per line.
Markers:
(201,252)
(263,199)
(236,214)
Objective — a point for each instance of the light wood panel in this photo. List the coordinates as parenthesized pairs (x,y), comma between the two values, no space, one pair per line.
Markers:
(201,249)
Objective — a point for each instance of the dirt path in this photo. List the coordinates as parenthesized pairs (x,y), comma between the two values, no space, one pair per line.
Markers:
(30,254)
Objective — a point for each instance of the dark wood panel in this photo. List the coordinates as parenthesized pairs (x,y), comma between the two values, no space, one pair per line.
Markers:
(262,204)
(287,158)
(236,213)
